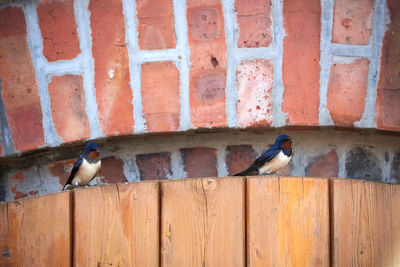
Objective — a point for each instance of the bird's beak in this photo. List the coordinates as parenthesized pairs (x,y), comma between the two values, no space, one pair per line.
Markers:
(291,141)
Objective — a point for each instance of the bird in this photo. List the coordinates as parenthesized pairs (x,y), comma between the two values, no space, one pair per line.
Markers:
(86,167)
(272,160)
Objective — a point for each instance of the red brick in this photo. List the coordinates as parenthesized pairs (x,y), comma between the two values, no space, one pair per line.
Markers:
(324,166)
(388,99)
(19,89)
(300,66)
(347,91)
(200,161)
(111,67)
(61,170)
(58,28)
(112,170)
(208,68)
(160,96)
(254,20)
(352,21)
(68,107)
(155,24)
(239,158)
(388,109)
(254,81)
(154,166)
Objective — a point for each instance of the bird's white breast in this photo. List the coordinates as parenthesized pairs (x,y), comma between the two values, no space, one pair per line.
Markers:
(274,165)
(87,171)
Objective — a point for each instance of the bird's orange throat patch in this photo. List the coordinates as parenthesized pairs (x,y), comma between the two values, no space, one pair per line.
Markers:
(287,145)
(94,155)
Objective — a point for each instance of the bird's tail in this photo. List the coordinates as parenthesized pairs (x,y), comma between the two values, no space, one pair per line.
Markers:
(242,173)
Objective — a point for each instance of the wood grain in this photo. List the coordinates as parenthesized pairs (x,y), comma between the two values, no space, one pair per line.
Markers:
(287,222)
(202,222)
(117,225)
(366,219)
(36,231)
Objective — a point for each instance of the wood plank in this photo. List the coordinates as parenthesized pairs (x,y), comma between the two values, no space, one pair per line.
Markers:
(36,231)
(287,222)
(366,217)
(117,225)
(202,222)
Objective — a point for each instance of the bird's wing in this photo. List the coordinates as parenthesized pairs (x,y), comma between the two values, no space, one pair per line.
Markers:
(74,170)
(261,160)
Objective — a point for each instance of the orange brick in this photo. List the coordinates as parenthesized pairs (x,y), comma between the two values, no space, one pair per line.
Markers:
(347,90)
(68,107)
(352,21)
(155,24)
(160,96)
(19,89)
(254,81)
(58,28)
(111,67)
(388,99)
(208,68)
(254,20)
(324,166)
(300,67)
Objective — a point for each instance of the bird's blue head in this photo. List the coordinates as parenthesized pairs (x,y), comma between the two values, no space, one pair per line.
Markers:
(283,141)
(92,150)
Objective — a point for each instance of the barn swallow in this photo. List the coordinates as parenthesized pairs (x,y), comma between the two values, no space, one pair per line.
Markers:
(86,167)
(272,160)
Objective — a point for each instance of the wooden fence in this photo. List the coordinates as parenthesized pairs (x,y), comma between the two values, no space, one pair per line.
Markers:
(207,222)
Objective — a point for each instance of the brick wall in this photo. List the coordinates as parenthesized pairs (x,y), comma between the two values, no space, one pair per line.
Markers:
(73,71)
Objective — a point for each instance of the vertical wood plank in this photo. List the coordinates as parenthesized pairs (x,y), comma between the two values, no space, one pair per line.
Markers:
(117,225)
(287,222)
(202,222)
(36,231)
(366,219)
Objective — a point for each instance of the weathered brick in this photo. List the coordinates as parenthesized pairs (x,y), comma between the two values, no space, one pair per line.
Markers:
(388,99)
(68,107)
(239,157)
(208,68)
(300,66)
(361,163)
(352,21)
(111,67)
(395,168)
(254,21)
(254,81)
(16,180)
(61,170)
(1,142)
(58,28)
(200,161)
(347,91)
(154,166)
(112,170)
(160,96)
(19,89)
(286,171)
(155,24)
(324,165)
